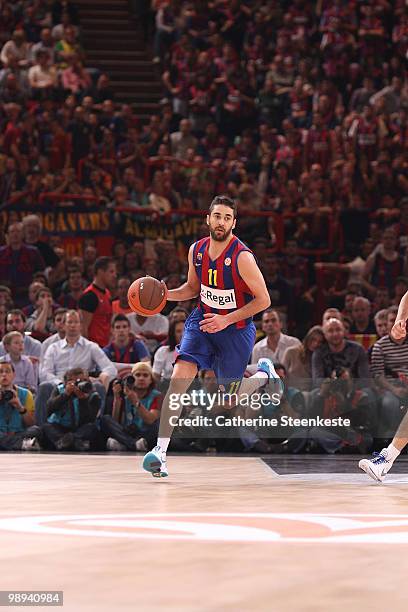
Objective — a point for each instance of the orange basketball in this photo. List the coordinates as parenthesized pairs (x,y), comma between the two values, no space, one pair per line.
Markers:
(147,296)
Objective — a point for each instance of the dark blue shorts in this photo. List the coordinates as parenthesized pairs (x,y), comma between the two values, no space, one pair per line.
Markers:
(227,352)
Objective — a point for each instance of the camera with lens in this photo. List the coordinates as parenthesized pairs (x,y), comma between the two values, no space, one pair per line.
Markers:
(128,382)
(83,385)
(6,395)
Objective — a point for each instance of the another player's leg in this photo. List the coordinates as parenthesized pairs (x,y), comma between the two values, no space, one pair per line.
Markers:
(381,463)
(183,374)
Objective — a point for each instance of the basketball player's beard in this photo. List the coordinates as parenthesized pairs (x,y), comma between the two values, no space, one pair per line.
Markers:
(220,237)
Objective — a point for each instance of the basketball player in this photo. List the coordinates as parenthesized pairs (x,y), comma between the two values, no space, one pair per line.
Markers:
(219,334)
(378,467)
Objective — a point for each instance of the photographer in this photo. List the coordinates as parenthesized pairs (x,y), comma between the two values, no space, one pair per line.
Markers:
(135,411)
(17,429)
(71,414)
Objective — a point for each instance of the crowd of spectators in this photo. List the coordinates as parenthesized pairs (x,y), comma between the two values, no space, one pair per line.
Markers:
(297,110)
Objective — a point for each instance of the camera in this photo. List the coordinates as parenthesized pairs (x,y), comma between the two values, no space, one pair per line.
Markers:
(128,381)
(83,385)
(6,395)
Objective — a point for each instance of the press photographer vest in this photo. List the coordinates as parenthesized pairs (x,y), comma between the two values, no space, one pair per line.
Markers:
(10,420)
(69,416)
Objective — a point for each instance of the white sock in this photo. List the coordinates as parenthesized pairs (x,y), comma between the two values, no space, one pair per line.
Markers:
(163,443)
(392,453)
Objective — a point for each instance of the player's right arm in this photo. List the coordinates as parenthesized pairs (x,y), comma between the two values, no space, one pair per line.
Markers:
(399,330)
(189,289)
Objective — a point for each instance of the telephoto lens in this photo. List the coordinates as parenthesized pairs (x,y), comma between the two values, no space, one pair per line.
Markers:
(130,381)
(84,385)
(6,395)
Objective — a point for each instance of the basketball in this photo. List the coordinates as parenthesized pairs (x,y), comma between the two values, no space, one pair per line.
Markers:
(147,296)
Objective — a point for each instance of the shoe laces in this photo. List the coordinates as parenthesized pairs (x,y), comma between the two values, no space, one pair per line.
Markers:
(378,458)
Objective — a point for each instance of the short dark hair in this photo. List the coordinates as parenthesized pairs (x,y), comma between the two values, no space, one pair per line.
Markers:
(9,363)
(270,310)
(74,373)
(17,311)
(74,270)
(119,317)
(224,200)
(102,263)
(59,311)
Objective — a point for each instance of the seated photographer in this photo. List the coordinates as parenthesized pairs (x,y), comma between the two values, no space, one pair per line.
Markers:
(62,355)
(17,429)
(71,415)
(124,348)
(135,411)
(25,376)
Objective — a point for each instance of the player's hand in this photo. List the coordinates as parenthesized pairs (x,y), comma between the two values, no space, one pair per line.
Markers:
(213,323)
(399,330)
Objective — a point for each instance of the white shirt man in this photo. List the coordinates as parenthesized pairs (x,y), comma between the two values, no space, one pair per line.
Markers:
(275,344)
(74,351)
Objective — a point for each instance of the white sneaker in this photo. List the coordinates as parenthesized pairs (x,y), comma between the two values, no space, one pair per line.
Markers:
(114,445)
(30,444)
(377,467)
(155,463)
(141,445)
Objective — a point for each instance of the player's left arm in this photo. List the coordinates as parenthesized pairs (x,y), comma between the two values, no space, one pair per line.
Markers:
(252,276)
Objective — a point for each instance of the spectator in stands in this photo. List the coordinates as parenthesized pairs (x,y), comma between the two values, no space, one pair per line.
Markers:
(71,415)
(135,413)
(95,304)
(362,322)
(275,344)
(124,348)
(331,313)
(25,376)
(18,262)
(17,429)
(15,321)
(183,140)
(59,325)
(41,322)
(46,44)
(16,49)
(42,77)
(75,78)
(380,321)
(297,360)
(66,48)
(73,291)
(153,330)
(33,290)
(385,264)
(337,352)
(120,304)
(165,356)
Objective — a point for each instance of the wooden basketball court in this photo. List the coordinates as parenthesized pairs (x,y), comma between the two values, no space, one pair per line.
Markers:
(221,533)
